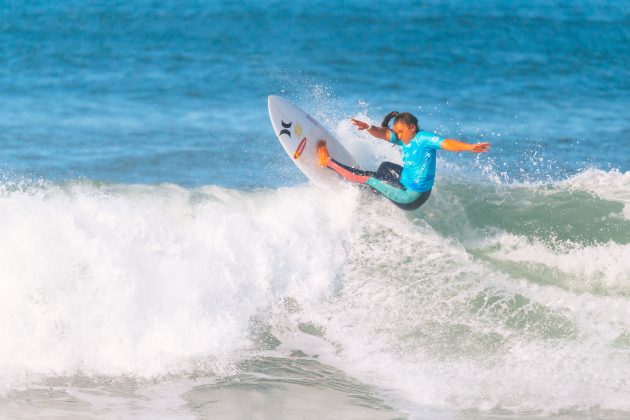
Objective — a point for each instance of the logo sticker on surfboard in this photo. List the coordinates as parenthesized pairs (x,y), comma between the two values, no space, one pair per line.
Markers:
(285,130)
(298,130)
(300,149)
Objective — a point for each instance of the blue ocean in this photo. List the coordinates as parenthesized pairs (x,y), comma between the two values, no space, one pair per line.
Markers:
(162,257)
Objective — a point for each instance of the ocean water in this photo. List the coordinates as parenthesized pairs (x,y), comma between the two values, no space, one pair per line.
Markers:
(161,257)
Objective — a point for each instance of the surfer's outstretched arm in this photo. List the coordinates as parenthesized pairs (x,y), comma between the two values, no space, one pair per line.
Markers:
(453,145)
(378,132)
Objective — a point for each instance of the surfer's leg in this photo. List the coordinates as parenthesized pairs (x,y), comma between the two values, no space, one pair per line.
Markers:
(356,171)
(351,174)
(417,203)
(390,173)
(402,197)
(386,180)
(397,195)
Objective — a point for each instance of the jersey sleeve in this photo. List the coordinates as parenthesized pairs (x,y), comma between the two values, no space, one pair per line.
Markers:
(393,138)
(431,140)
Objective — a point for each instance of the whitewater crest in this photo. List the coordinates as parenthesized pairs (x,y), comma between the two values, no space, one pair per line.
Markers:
(610,185)
(468,302)
(153,280)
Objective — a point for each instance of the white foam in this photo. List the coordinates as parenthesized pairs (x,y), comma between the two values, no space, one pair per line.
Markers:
(150,281)
(609,185)
(419,317)
(601,268)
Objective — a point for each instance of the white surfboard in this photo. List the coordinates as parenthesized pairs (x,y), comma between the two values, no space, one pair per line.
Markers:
(299,133)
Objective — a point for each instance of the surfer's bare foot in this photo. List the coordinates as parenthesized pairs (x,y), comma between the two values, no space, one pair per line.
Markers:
(322,153)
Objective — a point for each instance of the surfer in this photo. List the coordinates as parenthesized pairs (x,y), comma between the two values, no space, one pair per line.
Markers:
(407,186)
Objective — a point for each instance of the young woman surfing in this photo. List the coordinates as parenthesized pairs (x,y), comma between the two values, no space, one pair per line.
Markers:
(407,186)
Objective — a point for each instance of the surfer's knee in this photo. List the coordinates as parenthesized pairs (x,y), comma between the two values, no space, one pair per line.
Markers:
(414,205)
(396,194)
(404,198)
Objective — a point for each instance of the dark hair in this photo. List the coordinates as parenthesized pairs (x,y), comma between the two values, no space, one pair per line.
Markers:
(404,117)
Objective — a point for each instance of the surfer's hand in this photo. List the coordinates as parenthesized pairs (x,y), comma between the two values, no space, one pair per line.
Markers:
(480,147)
(360,124)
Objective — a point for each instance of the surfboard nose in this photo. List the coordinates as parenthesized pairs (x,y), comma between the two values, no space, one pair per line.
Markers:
(273,101)
(277,106)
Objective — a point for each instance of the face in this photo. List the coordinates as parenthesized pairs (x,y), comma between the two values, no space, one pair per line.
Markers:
(404,132)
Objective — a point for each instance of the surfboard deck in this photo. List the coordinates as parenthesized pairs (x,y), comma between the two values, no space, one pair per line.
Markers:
(299,133)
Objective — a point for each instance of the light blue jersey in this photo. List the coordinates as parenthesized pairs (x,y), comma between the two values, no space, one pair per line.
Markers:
(418,156)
